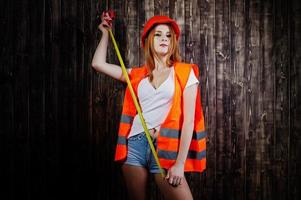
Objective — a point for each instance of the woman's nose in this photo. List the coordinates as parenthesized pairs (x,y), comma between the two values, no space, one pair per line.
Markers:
(164,38)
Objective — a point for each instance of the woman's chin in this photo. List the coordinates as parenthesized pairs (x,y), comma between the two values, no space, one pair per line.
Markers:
(162,53)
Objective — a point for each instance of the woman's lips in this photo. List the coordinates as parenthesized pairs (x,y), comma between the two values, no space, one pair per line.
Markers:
(163,45)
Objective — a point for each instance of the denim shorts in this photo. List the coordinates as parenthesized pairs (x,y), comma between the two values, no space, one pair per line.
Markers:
(140,154)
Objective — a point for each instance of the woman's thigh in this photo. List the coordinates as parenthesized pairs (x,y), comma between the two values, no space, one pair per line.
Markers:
(136,181)
(169,192)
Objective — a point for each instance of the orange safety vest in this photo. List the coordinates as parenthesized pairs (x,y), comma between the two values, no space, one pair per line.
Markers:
(168,140)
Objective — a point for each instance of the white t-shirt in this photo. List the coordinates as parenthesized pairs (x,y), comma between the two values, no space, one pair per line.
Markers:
(156,103)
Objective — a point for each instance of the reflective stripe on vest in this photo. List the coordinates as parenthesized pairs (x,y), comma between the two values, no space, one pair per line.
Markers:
(172,155)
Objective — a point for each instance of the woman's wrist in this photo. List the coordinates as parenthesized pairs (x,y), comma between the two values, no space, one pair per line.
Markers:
(180,163)
(104,32)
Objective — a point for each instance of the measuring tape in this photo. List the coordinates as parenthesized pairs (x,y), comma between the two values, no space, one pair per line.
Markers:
(125,74)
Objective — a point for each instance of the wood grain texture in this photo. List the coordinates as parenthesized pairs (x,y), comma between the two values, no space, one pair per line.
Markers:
(59,117)
(238,89)
(295,106)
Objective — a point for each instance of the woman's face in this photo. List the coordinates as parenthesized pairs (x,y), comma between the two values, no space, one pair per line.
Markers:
(162,38)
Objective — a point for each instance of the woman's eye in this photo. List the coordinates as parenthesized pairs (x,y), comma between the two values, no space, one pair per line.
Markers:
(157,34)
(168,35)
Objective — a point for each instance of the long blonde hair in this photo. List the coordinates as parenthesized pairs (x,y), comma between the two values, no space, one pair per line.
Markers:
(173,54)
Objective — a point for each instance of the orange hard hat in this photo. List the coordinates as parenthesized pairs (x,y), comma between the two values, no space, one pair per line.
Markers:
(159,19)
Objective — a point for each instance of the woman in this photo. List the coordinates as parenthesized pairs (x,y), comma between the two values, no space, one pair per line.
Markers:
(168,94)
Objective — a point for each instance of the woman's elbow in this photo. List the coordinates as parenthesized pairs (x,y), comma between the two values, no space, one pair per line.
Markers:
(96,66)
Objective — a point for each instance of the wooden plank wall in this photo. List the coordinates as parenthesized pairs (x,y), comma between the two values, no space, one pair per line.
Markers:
(59,118)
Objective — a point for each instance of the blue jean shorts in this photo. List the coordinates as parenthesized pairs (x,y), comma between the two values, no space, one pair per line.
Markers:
(140,154)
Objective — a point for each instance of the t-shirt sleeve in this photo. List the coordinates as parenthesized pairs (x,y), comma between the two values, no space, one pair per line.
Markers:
(192,79)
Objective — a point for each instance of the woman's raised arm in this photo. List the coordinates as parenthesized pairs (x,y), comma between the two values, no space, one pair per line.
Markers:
(99,62)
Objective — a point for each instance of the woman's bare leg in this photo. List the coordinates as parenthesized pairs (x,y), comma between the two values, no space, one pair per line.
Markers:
(169,192)
(136,181)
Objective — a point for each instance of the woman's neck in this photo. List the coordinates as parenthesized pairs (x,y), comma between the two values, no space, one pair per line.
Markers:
(160,63)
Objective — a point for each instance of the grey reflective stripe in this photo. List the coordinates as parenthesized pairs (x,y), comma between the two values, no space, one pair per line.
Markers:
(170,133)
(121,140)
(126,119)
(200,135)
(196,155)
(172,155)
(174,133)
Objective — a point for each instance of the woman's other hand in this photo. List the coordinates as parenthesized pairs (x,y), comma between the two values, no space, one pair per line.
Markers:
(175,174)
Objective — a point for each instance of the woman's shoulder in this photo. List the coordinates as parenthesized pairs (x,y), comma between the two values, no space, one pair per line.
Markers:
(184,68)
(185,65)
(138,71)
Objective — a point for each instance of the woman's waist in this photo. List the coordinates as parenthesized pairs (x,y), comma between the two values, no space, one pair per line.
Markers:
(152,131)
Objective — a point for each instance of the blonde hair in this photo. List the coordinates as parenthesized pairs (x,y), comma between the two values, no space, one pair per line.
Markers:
(173,54)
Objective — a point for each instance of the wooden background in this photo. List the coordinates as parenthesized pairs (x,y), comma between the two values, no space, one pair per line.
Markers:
(59,118)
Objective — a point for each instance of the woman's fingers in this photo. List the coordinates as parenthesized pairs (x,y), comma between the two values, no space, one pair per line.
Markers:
(175,180)
(181,181)
(167,175)
(178,181)
(105,24)
(106,17)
